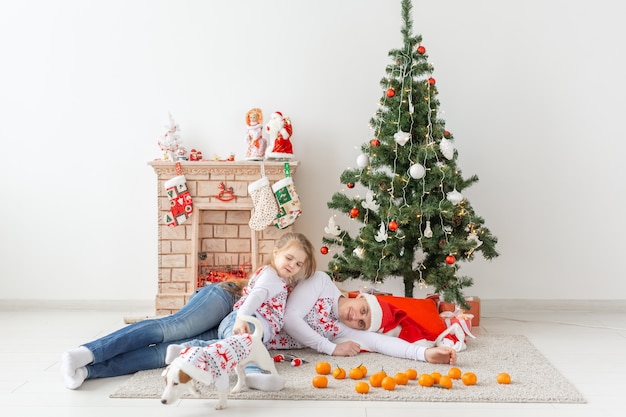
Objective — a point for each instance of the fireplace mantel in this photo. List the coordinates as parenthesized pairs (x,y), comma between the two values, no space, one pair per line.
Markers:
(217,229)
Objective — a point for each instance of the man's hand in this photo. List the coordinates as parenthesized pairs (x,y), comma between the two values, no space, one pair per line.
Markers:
(441,354)
(348,348)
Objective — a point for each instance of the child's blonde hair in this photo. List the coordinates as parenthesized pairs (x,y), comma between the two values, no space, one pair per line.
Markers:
(290,239)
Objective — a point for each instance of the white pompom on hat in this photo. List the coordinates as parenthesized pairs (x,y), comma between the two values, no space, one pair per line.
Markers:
(376,312)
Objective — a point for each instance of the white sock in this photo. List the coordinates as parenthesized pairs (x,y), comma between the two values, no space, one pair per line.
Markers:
(76,380)
(265,382)
(74,359)
(173,351)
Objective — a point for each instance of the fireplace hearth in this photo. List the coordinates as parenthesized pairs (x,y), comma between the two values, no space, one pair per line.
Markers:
(216,238)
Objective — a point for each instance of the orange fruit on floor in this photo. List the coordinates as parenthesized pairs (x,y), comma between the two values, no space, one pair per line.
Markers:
(388,383)
(362,387)
(436,376)
(401,378)
(503,378)
(454,373)
(426,380)
(469,378)
(411,373)
(363,369)
(322,368)
(320,381)
(356,373)
(376,379)
(339,373)
(445,382)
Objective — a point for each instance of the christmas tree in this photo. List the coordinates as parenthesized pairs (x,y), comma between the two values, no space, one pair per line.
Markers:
(413,221)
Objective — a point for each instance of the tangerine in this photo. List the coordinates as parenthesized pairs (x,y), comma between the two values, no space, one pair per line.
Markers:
(388,383)
(362,387)
(411,373)
(469,378)
(426,380)
(503,378)
(356,373)
(320,381)
(376,379)
(454,373)
(322,368)
(339,373)
(401,378)
(445,382)
(363,369)
(436,376)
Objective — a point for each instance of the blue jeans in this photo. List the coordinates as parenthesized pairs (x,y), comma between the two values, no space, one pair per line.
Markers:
(143,345)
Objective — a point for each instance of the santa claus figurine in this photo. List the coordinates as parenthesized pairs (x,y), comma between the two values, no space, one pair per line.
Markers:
(279,131)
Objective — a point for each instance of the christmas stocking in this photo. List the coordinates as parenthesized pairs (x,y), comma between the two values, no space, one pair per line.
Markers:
(288,200)
(181,205)
(265,208)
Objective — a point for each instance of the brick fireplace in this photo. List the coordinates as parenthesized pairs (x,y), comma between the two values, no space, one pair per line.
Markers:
(217,234)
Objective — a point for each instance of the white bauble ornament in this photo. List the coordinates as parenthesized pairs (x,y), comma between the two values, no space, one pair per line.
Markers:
(362,161)
(447,148)
(454,197)
(401,138)
(417,171)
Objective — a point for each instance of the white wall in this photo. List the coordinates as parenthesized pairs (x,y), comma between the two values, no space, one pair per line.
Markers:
(532,90)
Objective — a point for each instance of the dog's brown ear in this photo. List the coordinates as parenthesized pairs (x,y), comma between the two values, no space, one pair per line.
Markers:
(183,378)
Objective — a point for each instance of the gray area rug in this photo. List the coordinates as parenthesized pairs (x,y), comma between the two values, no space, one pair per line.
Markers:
(533,378)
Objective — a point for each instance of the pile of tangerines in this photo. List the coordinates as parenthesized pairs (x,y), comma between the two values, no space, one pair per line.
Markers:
(380,379)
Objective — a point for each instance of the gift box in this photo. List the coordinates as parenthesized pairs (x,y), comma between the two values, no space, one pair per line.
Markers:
(354,294)
(464,320)
(474,303)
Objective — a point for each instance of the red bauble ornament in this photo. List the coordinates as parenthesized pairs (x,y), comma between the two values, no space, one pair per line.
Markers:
(350,185)
(391,92)
(421,50)
(324,250)
(393,225)
(450,259)
(375,142)
(446,134)
(431,81)
(354,212)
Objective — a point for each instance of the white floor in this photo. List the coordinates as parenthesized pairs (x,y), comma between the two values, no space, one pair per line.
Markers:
(584,340)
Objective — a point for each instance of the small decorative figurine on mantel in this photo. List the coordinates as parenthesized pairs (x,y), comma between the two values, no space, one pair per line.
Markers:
(256,142)
(279,130)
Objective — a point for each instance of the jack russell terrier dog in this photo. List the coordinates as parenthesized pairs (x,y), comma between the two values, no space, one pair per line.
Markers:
(213,364)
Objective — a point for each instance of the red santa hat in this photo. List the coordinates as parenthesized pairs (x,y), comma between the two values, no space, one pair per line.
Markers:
(393,321)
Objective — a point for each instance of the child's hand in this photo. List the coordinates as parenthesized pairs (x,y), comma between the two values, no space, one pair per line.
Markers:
(241,327)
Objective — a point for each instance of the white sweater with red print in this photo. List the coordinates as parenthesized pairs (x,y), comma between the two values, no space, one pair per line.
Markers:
(265,297)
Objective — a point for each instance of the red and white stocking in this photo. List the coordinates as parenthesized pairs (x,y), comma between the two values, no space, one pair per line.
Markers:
(181,204)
